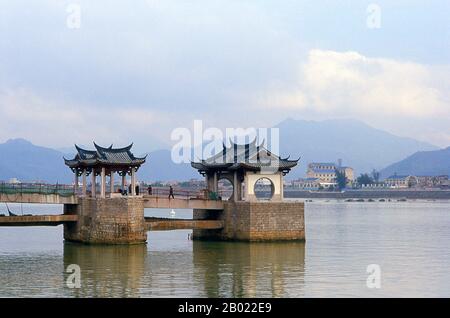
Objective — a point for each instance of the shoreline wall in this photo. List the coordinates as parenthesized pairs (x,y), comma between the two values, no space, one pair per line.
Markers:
(371,194)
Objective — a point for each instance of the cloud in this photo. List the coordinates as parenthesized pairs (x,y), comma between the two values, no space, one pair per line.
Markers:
(159,64)
(58,122)
(388,93)
(348,83)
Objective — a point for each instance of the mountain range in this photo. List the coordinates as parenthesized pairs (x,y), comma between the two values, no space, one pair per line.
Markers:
(359,146)
(422,163)
(21,159)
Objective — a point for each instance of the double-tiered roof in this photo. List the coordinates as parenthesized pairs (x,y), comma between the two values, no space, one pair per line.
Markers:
(248,156)
(104,157)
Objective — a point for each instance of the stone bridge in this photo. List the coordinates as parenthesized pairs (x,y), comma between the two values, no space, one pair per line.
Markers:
(37,220)
(151,224)
(64,194)
(164,224)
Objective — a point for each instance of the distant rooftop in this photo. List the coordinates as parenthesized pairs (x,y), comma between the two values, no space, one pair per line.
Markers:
(323,170)
(322,164)
(397,177)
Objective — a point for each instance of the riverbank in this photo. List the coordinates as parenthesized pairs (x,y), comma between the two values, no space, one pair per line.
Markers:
(370,194)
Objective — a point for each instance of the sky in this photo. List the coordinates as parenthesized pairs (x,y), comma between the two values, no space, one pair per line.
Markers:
(122,71)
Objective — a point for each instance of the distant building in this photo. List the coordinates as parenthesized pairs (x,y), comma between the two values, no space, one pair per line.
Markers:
(397,181)
(192,184)
(325,173)
(14,181)
(306,184)
(445,184)
(349,174)
(432,181)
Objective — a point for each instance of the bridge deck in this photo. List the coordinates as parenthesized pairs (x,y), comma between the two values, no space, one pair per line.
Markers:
(38,198)
(37,220)
(158,202)
(164,224)
(152,202)
(64,194)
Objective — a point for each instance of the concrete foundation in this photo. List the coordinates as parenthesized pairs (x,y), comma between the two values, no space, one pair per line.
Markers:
(107,221)
(255,221)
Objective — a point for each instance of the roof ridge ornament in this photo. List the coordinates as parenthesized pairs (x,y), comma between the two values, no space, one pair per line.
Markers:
(262,143)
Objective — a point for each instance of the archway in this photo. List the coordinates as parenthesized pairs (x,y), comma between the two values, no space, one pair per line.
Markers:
(225,189)
(264,189)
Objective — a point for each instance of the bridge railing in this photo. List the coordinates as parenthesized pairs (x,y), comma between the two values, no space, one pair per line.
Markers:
(201,194)
(68,190)
(36,188)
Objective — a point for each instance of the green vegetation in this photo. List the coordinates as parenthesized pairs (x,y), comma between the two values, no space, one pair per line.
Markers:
(341,179)
(375,176)
(365,179)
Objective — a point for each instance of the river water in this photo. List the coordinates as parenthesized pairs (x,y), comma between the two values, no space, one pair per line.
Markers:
(408,241)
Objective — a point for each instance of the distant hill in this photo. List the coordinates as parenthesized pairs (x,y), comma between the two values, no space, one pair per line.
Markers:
(29,163)
(422,163)
(21,159)
(359,145)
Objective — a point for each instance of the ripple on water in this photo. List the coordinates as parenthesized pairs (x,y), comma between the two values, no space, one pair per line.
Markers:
(408,240)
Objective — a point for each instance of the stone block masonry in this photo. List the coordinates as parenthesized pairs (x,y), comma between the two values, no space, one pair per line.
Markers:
(107,221)
(255,221)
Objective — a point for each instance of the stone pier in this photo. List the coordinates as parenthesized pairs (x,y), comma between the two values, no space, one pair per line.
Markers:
(255,221)
(121,221)
(107,221)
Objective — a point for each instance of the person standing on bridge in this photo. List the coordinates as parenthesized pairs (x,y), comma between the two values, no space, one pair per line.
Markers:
(171,193)
(149,189)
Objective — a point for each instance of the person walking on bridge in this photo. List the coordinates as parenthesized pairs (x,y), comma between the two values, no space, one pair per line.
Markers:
(171,193)
(149,189)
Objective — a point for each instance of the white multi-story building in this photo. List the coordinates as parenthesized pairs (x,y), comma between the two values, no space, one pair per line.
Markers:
(396,181)
(325,173)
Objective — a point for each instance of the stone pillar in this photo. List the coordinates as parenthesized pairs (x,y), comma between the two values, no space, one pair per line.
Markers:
(133,182)
(83,191)
(76,182)
(124,181)
(210,185)
(93,187)
(103,183)
(235,187)
(246,186)
(216,186)
(281,187)
(207,182)
(111,182)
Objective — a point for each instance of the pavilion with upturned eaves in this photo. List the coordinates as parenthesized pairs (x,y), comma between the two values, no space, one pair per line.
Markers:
(104,162)
(246,164)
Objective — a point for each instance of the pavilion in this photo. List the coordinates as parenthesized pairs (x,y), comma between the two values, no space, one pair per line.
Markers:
(245,164)
(104,162)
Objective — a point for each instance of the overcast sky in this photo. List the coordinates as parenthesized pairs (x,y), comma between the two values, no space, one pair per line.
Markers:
(135,70)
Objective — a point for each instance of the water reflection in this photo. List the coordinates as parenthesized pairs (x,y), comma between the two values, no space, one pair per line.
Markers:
(409,240)
(107,271)
(217,269)
(231,269)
